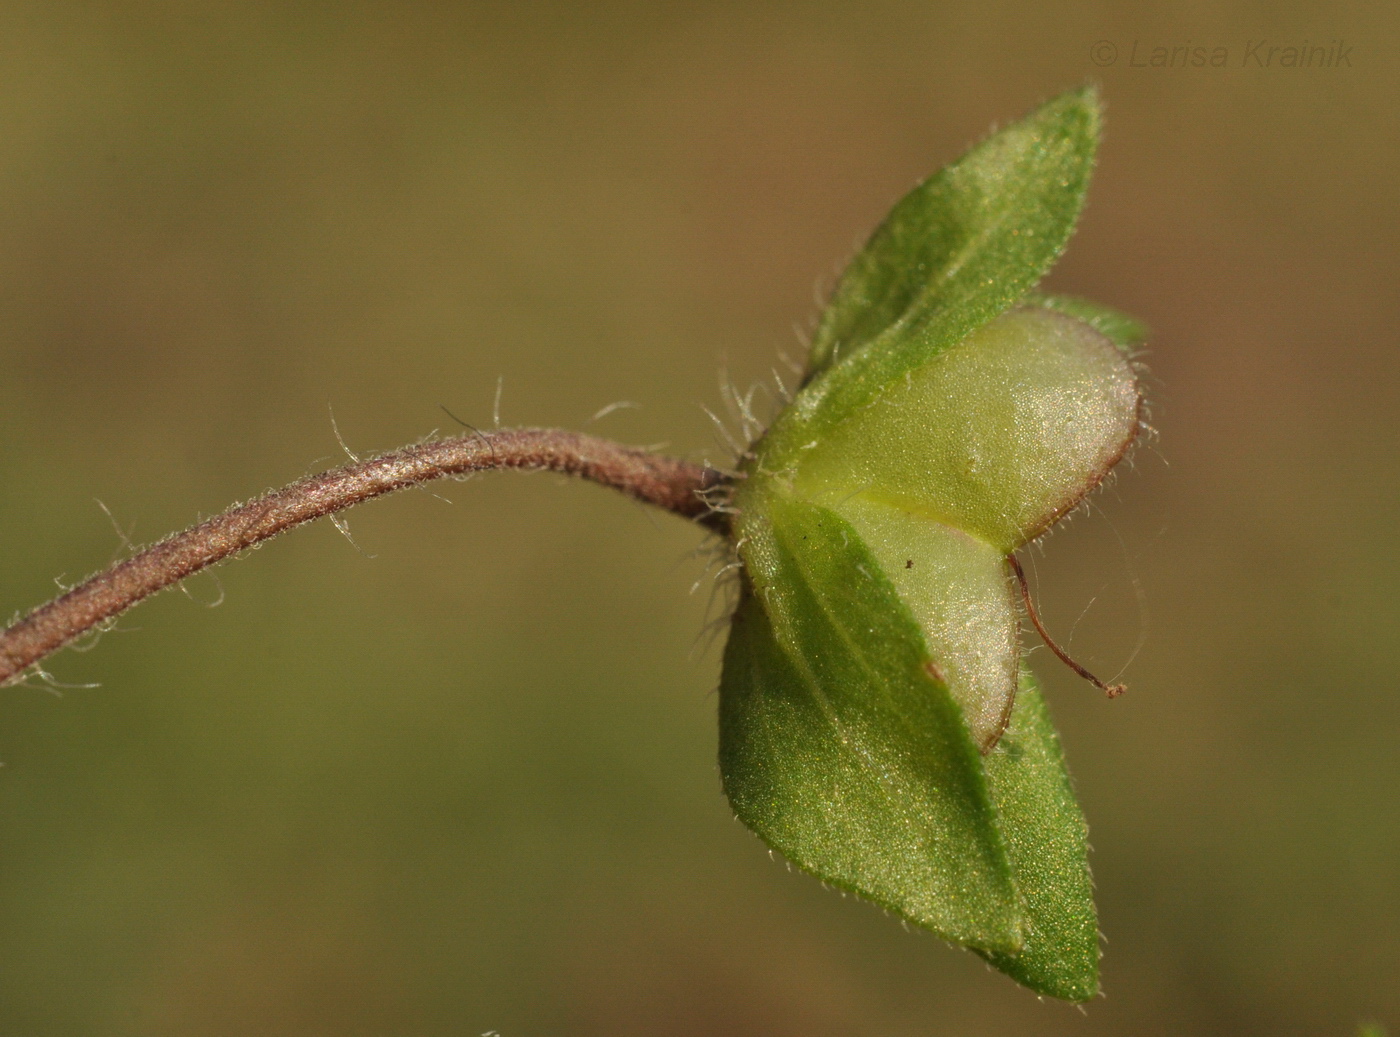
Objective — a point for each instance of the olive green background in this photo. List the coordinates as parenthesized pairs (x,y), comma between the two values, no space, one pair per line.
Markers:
(461,778)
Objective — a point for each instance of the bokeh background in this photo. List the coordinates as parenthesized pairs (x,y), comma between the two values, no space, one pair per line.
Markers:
(460,777)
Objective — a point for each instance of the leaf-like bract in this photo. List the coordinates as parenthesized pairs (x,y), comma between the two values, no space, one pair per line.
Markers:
(842,750)
(953,253)
(1046,839)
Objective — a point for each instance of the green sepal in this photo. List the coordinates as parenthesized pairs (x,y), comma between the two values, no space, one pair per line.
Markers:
(957,251)
(840,748)
(1127,333)
(1047,839)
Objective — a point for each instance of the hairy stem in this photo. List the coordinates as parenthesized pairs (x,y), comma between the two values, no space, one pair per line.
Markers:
(675,485)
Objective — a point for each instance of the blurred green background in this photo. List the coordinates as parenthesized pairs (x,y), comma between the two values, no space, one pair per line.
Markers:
(462,779)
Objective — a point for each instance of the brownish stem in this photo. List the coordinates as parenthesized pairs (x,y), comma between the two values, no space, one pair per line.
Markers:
(675,485)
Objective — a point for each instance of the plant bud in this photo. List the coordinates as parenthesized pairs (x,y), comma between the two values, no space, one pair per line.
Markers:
(962,462)
(876,725)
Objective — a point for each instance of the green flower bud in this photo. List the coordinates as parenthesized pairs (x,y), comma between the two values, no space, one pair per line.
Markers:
(999,436)
(960,463)
(877,726)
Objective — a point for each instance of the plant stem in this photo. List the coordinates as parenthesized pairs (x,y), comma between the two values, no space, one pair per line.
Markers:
(677,486)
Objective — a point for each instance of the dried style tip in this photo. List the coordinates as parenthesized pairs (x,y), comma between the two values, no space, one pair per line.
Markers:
(1111,690)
